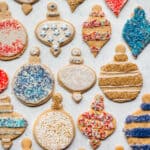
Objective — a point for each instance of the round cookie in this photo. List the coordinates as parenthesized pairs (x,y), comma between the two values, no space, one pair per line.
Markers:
(54,128)
(96,31)
(54,31)
(33,83)
(12,124)
(96,124)
(137,126)
(120,80)
(3,80)
(13,36)
(76,77)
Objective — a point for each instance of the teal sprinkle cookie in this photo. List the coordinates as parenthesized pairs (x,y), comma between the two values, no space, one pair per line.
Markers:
(136,32)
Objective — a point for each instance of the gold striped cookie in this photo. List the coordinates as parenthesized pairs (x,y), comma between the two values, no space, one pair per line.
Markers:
(120,80)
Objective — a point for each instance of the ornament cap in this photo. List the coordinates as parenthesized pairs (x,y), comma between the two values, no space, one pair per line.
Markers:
(52,10)
(34,55)
(26,144)
(146,98)
(57,101)
(4,12)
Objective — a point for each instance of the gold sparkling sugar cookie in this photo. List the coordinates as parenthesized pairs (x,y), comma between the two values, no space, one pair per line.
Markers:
(76,77)
(26,5)
(33,83)
(13,36)
(96,30)
(137,126)
(120,80)
(26,144)
(54,128)
(96,124)
(54,31)
(12,124)
(74,4)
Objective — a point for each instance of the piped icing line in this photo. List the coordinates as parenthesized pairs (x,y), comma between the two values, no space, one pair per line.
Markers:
(140,147)
(96,23)
(145,106)
(13,123)
(138,132)
(143,118)
(96,36)
(10,132)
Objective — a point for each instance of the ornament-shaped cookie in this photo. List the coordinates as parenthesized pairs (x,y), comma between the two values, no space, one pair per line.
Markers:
(54,31)
(96,30)
(3,80)
(76,77)
(12,124)
(137,126)
(54,128)
(120,80)
(33,83)
(116,5)
(74,4)
(136,32)
(13,36)
(26,5)
(96,124)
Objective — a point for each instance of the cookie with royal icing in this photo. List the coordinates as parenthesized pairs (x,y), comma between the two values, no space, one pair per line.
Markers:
(96,124)
(96,30)
(137,126)
(13,36)
(12,124)
(54,31)
(116,5)
(3,80)
(26,5)
(120,80)
(33,83)
(74,4)
(54,128)
(76,77)
(136,32)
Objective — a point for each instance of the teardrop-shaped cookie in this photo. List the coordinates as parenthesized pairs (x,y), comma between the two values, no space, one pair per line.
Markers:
(120,80)
(96,30)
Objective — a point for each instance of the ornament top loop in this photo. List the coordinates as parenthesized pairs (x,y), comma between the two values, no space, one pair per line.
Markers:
(52,10)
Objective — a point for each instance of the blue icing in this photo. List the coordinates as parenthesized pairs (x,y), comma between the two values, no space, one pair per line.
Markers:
(136,32)
(33,83)
(12,123)
(145,106)
(140,147)
(138,132)
(142,118)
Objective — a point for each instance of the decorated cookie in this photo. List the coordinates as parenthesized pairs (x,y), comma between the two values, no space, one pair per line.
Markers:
(26,5)
(3,80)
(136,32)
(76,77)
(13,36)
(54,128)
(120,80)
(116,5)
(54,31)
(33,83)
(96,30)
(74,4)
(12,124)
(96,124)
(137,126)
(26,144)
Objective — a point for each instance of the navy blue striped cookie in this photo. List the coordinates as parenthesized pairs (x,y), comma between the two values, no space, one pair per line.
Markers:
(137,126)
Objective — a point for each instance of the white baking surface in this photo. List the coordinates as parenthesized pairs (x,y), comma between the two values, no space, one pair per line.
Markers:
(119,111)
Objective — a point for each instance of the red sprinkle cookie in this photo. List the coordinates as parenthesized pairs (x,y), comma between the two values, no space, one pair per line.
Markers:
(3,80)
(96,124)
(13,36)
(116,5)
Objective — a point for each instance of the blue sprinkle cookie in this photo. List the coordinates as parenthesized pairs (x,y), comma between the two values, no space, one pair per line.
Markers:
(136,32)
(137,126)
(33,83)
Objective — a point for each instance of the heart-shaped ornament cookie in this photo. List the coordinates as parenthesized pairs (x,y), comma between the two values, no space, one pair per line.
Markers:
(116,5)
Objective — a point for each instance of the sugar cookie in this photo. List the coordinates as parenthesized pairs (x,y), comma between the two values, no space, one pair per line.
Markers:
(54,128)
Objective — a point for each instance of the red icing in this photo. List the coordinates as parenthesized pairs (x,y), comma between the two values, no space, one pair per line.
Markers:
(3,80)
(116,5)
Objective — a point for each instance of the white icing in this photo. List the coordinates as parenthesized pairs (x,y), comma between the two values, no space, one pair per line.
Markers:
(64,27)
(50,39)
(27,1)
(42,34)
(54,130)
